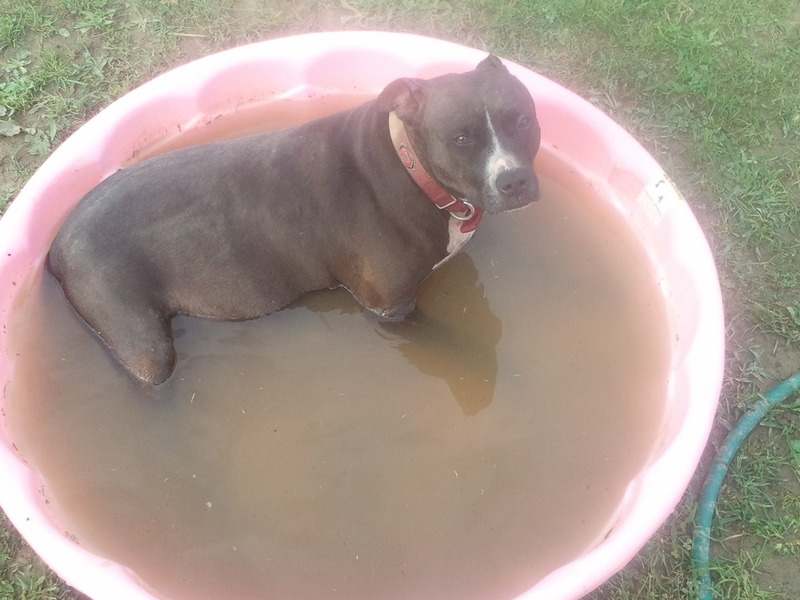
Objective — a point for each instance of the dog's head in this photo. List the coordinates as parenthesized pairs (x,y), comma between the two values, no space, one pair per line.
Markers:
(476,133)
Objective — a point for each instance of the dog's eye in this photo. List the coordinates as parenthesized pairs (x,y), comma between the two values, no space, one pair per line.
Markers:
(523,122)
(462,139)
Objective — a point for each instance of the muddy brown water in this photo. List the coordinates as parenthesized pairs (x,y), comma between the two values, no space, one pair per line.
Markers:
(319,454)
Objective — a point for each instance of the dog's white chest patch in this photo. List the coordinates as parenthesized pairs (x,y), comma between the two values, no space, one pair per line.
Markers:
(456,241)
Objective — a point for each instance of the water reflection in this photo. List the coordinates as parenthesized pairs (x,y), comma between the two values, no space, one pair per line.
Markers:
(453,334)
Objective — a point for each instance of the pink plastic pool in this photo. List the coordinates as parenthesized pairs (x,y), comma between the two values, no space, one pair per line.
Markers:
(574,133)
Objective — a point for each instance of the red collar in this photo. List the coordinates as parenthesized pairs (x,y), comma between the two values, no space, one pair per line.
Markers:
(459,209)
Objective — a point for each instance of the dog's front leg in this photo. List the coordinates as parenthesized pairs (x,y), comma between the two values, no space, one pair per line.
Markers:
(395,313)
(389,300)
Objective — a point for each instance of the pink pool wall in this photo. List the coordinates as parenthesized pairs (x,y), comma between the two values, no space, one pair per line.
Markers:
(574,134)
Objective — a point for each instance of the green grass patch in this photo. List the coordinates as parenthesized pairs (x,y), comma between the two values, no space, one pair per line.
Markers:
(22,575)
(712,80)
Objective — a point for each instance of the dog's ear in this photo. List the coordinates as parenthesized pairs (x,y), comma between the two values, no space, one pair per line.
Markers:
(491,62)
(404,97)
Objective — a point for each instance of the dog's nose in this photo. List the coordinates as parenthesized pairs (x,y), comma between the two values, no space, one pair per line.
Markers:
(514,182)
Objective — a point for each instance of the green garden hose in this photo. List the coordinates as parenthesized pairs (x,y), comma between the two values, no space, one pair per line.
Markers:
(710,492)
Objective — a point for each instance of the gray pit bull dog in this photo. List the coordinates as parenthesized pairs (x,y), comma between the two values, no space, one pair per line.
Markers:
(372,199)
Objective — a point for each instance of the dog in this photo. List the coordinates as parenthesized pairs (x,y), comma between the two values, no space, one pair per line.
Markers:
(372,200)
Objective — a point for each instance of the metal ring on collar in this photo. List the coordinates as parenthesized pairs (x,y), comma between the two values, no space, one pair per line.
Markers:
(468,213)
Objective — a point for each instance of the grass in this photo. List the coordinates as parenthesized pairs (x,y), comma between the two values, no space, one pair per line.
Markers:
(22,576)
(712,77)
(710,88)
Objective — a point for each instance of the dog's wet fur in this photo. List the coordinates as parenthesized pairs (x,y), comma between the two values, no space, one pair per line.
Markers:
(239,229)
